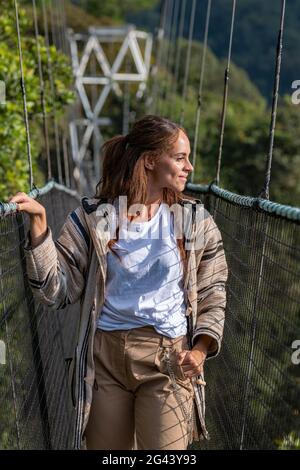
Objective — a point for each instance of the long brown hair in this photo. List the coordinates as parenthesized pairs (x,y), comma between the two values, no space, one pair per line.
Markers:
(123,169)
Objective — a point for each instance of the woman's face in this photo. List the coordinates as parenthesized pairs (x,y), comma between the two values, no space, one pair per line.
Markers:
(173,168)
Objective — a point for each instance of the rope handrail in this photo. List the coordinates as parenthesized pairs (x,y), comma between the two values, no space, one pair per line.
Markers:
(281,210)
(7,208)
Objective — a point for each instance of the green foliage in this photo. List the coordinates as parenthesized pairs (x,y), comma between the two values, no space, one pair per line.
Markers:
(290,442)
(254,39)
(14,166)
(114,8)
(246,136)
(240,85)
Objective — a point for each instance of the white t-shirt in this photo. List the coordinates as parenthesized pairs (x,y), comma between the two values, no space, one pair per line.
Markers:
(146,287)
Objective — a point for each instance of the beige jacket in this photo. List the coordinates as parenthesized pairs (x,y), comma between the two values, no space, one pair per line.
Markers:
(74,267)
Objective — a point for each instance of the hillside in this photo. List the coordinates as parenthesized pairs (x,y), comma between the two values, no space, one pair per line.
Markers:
(255,36)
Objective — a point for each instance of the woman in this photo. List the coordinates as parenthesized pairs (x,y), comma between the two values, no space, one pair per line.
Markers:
(152,302)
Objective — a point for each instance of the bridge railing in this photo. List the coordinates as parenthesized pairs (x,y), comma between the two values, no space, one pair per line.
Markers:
(37,344)
(253,386)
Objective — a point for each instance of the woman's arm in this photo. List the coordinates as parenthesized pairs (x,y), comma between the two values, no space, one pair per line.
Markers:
(56,270)
(212,274)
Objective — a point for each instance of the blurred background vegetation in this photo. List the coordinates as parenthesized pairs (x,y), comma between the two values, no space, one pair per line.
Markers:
(250,91)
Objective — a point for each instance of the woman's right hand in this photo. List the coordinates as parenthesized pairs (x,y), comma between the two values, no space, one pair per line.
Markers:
(37,214)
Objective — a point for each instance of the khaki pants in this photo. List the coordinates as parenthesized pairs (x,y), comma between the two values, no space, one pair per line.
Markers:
(134,403)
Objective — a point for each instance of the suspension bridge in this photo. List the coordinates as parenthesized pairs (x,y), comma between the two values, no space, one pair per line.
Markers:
(253,386)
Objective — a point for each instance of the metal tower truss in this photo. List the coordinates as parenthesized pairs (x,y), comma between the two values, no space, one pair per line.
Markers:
(93,68)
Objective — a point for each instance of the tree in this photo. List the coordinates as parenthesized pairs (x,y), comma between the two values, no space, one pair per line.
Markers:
(14,165)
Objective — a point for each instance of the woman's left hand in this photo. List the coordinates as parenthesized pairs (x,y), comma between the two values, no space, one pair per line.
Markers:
(192,362)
